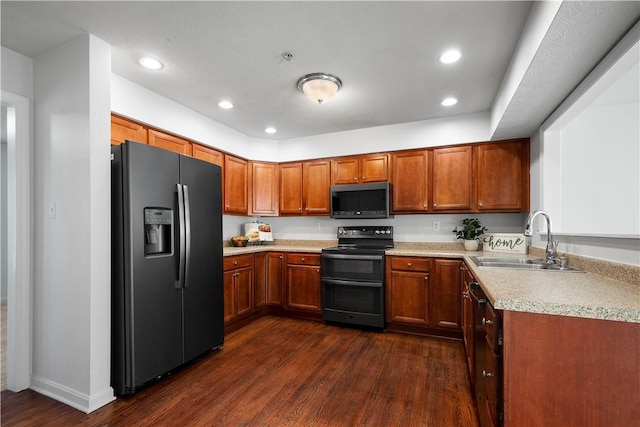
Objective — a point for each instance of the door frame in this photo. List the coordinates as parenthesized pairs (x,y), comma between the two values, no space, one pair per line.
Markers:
(19,242)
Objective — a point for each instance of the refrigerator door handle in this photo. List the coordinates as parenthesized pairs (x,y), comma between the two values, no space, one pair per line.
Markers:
(187,233)
(181,231)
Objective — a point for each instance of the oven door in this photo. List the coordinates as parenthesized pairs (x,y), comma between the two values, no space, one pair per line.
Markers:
(351,302)
(359,267)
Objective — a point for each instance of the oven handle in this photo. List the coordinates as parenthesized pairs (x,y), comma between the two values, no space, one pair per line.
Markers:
(373,257)
(351,283)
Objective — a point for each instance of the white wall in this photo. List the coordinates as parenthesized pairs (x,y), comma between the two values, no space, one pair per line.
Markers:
(71,324)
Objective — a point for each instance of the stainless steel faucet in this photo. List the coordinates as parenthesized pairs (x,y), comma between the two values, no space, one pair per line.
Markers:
(550,254)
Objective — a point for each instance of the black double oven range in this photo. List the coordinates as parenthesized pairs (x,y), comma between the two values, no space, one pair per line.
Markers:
(353,276)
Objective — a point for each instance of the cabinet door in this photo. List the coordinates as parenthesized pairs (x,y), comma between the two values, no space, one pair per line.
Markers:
(345,170)
(264,188)
(502,176)
(169,142)
(374,168)
(123,129)
(208,154)
(445,294)
(275,263)
(229,296)
(260,280)
(303,287)
(244,290)
(291,188)
(316,182)
(235,185)
(452,178)
(409,179)
(408,297)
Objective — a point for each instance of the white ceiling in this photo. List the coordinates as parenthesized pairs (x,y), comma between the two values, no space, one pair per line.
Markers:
(385,52)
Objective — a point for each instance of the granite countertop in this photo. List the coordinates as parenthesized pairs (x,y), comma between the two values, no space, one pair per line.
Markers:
(574,294)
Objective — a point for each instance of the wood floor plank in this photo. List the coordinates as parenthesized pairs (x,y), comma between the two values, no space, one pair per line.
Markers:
(286,372)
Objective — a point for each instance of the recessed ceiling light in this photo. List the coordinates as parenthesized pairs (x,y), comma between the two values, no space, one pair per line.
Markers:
(225,104)
(450,56)
(448,102)
(150,63)
(270,130)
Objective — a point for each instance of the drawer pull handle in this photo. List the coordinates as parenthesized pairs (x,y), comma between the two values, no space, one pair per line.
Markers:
(408,264)
(487,374)
(486,321)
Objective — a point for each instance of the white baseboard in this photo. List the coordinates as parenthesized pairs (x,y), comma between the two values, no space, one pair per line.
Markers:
(73,398)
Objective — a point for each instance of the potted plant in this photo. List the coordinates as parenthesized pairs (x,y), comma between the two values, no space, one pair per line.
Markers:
(470,232)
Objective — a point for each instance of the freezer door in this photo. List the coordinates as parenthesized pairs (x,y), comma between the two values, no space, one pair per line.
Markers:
(203,291)
(151,301)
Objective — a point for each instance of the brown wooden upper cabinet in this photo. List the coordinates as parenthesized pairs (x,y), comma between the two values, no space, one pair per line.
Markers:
(123,129)
(264,188)
(236,180)
(502,176)
(410,173)
(208,154)
(304,187)
(360,169)
(169,142)
(452,179)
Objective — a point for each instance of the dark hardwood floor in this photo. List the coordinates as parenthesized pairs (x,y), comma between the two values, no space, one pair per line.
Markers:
(285,372)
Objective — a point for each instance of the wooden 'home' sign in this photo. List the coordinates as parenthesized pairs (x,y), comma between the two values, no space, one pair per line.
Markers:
(505,242)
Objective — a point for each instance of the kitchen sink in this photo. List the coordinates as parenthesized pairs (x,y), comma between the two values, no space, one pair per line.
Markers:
(520,264)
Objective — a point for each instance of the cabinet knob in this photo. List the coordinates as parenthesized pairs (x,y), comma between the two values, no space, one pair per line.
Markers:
(302,259)
(355,179)
(408,264)
(424,206)
(480,204)
(486,321)
(426,278)
(235,262)
(280,257)
(435,204)
(364,177)
(487,374)
(299,209)
(226,206)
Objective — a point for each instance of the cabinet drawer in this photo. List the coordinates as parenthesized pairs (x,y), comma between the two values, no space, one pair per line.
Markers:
(410,264)
(492,327)
(303,259)
(239,261)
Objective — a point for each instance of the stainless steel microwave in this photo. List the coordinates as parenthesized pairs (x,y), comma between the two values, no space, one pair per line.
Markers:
(360,201)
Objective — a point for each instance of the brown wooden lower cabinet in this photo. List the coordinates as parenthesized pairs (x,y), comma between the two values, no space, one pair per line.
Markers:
(238,286)
(303,291)
(570,371)
(275,269)
(424,295)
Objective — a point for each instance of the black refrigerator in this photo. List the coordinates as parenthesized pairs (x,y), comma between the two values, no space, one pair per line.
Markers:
(167,280)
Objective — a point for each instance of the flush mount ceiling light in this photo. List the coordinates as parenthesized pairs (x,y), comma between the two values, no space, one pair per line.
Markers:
(225,105)
(319,87)
(150,63)
(270,130)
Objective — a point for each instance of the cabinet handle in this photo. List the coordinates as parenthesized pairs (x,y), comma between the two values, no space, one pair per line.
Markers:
(364,177)
(435,205)
(235,262)
(480,204)
(355,179)
(318,271)
(426,278)
(487,374)
(299,209)
(486,321)
(409,264)
(302,259)
(424,206)
(280,257)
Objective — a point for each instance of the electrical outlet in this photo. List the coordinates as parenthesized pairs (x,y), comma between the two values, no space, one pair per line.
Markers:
(436,225)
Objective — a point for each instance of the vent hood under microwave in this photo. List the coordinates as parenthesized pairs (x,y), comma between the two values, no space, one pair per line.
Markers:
(360,201)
